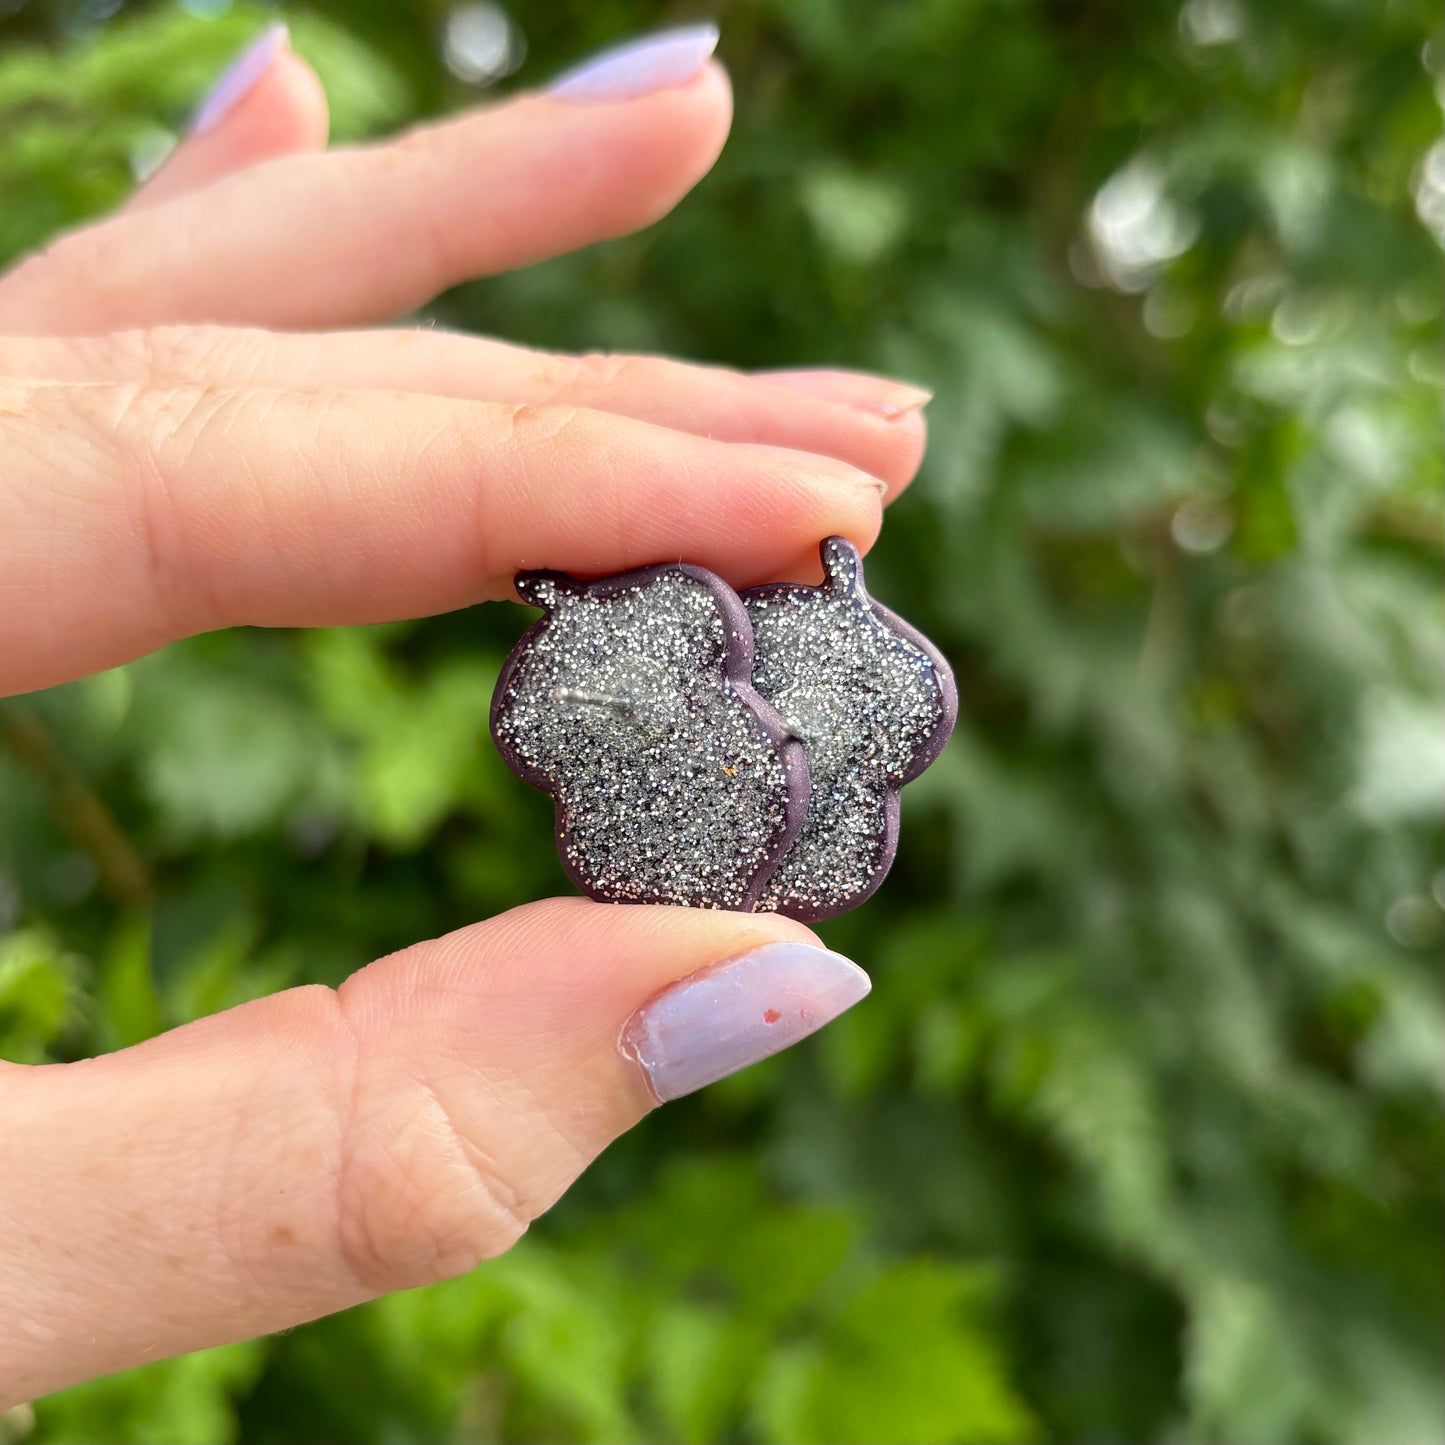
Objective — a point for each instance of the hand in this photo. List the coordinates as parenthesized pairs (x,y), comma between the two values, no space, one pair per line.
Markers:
(164,471)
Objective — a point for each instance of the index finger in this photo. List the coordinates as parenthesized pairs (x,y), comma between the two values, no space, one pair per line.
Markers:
(131,516)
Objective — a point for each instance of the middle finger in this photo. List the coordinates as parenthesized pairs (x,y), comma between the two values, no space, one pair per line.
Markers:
(131,515)
(878,429)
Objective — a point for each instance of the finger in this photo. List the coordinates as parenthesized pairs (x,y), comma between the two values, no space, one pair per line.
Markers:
(268,103)
(130,516)
(360,234)
(308,1151)
(870,422)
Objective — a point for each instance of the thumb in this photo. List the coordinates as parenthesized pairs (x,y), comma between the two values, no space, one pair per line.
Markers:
(268,102)
(307,1151)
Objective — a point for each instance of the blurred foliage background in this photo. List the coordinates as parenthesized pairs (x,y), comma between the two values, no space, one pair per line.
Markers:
(1139,1138)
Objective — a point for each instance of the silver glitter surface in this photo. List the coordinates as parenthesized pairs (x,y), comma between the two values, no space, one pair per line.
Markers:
(625,704)
(872,702)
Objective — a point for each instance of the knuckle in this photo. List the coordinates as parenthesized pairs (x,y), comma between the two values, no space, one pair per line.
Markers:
(428,155)
(418,1200)
(157,433)
(550,374)
(155,428)
(596,371)
(419,145)
(528,424)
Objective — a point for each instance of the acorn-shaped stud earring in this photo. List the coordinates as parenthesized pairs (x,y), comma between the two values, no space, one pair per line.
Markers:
(631,703)
(872,701)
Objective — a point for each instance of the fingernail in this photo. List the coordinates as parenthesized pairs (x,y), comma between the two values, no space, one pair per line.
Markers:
(240,78)
(735,1013)
(877,394)
(656,62)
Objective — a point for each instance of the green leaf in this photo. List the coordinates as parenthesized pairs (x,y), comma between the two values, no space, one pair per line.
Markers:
(907,1360)
(132,1010)
(166,1403)
(39,992)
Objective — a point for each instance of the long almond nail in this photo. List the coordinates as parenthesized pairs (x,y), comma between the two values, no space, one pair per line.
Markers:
(656,62)
(240,78)
(735,1013)
(855,388)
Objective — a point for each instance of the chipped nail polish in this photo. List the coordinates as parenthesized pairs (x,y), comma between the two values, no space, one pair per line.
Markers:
(737,1012)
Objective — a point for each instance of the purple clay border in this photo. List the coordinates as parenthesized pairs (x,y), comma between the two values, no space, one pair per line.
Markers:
(843,550)
(736,672)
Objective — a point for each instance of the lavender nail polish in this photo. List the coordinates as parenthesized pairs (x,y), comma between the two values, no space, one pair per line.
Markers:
(240,77)
(735,1013)
(656,62)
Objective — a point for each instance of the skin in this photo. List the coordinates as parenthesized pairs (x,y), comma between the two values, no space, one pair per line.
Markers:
(185,444)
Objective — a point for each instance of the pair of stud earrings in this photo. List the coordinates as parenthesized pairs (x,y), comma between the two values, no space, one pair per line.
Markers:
(723,750)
